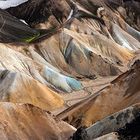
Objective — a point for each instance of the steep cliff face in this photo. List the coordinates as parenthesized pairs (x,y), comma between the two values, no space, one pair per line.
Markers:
(70,57)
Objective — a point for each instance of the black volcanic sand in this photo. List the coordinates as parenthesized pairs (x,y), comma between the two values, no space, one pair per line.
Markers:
(130,131)
(80,134)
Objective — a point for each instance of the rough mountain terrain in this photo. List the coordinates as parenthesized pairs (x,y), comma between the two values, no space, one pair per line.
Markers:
(72,64)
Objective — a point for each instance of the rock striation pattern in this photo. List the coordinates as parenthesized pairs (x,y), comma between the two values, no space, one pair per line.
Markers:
(69,60)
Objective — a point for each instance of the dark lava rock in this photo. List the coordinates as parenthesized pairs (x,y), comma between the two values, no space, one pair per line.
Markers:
(130,131)
(81,134)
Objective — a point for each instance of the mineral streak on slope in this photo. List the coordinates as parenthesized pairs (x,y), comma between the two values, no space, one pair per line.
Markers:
(20,88)
(73,47)
(54,75)
(60,81)
(22,82)
(104,48)
(124,39)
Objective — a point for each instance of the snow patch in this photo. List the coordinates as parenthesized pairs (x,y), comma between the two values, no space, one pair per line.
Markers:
(5,4)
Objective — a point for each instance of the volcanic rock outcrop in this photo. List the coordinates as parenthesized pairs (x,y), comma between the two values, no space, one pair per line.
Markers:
(122,123)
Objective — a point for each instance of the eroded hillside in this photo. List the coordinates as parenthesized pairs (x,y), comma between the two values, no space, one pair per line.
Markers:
(77,59)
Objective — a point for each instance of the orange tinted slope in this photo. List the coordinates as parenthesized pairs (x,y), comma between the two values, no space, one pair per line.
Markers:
(121,93)
(26,122)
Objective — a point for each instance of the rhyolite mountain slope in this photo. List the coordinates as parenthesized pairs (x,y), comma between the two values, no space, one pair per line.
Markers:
(82,65)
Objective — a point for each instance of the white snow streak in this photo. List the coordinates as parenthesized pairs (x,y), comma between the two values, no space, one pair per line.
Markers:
(4,4)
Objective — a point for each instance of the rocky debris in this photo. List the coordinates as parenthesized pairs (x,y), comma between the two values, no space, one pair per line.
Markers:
(36,68)
(73,47)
